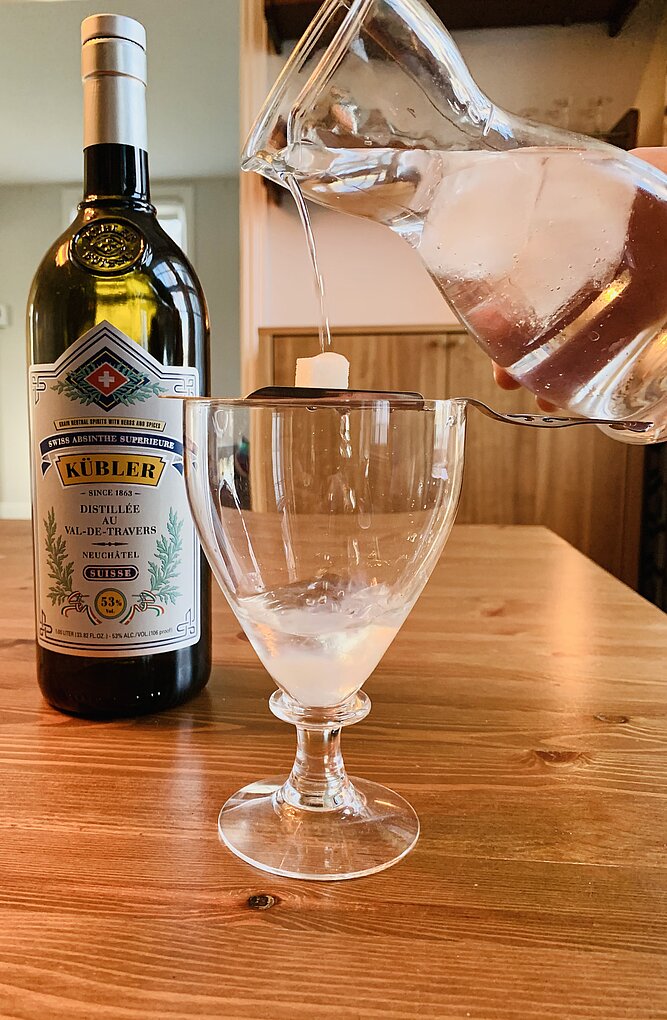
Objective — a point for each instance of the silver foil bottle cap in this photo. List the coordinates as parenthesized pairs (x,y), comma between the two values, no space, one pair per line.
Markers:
(113,26)
(113,68)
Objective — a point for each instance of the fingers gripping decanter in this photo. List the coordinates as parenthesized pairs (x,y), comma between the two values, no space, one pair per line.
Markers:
(550,247)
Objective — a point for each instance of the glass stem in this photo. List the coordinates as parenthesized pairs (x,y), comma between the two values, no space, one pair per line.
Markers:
(318,780)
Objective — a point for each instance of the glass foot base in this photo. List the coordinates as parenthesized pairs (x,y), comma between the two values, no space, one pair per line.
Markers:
(371,832)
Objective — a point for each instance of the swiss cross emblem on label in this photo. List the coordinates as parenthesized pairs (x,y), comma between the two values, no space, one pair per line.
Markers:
(106,379)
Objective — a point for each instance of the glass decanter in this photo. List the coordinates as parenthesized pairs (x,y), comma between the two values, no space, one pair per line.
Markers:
(550,247)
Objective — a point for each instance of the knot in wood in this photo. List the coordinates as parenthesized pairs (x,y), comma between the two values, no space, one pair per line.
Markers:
(603,717)
(261,901)
(554,757)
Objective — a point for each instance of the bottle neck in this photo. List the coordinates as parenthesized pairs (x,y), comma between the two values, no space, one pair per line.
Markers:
(114,171)
(114,121)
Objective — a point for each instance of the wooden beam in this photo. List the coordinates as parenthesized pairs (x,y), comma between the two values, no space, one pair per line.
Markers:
(272,25)
(289,18)
(619,15)
(253,200)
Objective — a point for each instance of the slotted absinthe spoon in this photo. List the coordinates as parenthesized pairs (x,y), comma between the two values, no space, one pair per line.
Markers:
(538,421)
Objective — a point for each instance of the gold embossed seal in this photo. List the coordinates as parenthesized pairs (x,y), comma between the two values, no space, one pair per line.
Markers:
(108,246)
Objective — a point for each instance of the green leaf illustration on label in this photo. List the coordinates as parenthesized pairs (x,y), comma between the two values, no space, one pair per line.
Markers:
(168,552)
(80,391)
(164,572)
(60,571)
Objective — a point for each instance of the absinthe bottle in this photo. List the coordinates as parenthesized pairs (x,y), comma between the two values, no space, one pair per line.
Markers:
(116,322)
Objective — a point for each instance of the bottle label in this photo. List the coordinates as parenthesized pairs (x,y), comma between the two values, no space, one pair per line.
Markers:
(116,555)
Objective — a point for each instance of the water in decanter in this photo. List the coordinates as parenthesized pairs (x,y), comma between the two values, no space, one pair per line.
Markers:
(555,259)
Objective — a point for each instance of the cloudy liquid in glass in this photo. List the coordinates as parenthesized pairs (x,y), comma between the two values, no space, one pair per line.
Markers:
(319,641)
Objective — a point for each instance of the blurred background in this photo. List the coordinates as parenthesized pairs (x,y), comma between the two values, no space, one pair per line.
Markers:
(594,66)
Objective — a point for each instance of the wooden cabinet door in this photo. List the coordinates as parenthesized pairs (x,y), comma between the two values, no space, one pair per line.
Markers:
(580,483)
(378,361)
(500,473)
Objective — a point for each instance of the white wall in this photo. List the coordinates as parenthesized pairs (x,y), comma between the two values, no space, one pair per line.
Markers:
(532,70)
(215,256)
(372,278)
(30,218)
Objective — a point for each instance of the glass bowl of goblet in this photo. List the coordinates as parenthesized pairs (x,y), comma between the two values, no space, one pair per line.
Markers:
(322,522)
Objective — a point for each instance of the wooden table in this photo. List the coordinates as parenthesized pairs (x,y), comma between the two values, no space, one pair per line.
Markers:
(521,710)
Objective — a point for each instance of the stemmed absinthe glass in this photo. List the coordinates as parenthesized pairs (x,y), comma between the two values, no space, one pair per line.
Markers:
(322,523)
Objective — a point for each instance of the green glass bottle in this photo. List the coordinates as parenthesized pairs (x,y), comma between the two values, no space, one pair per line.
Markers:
(117,321)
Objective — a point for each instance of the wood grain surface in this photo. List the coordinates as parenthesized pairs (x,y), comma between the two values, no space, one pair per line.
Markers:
(521,710)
